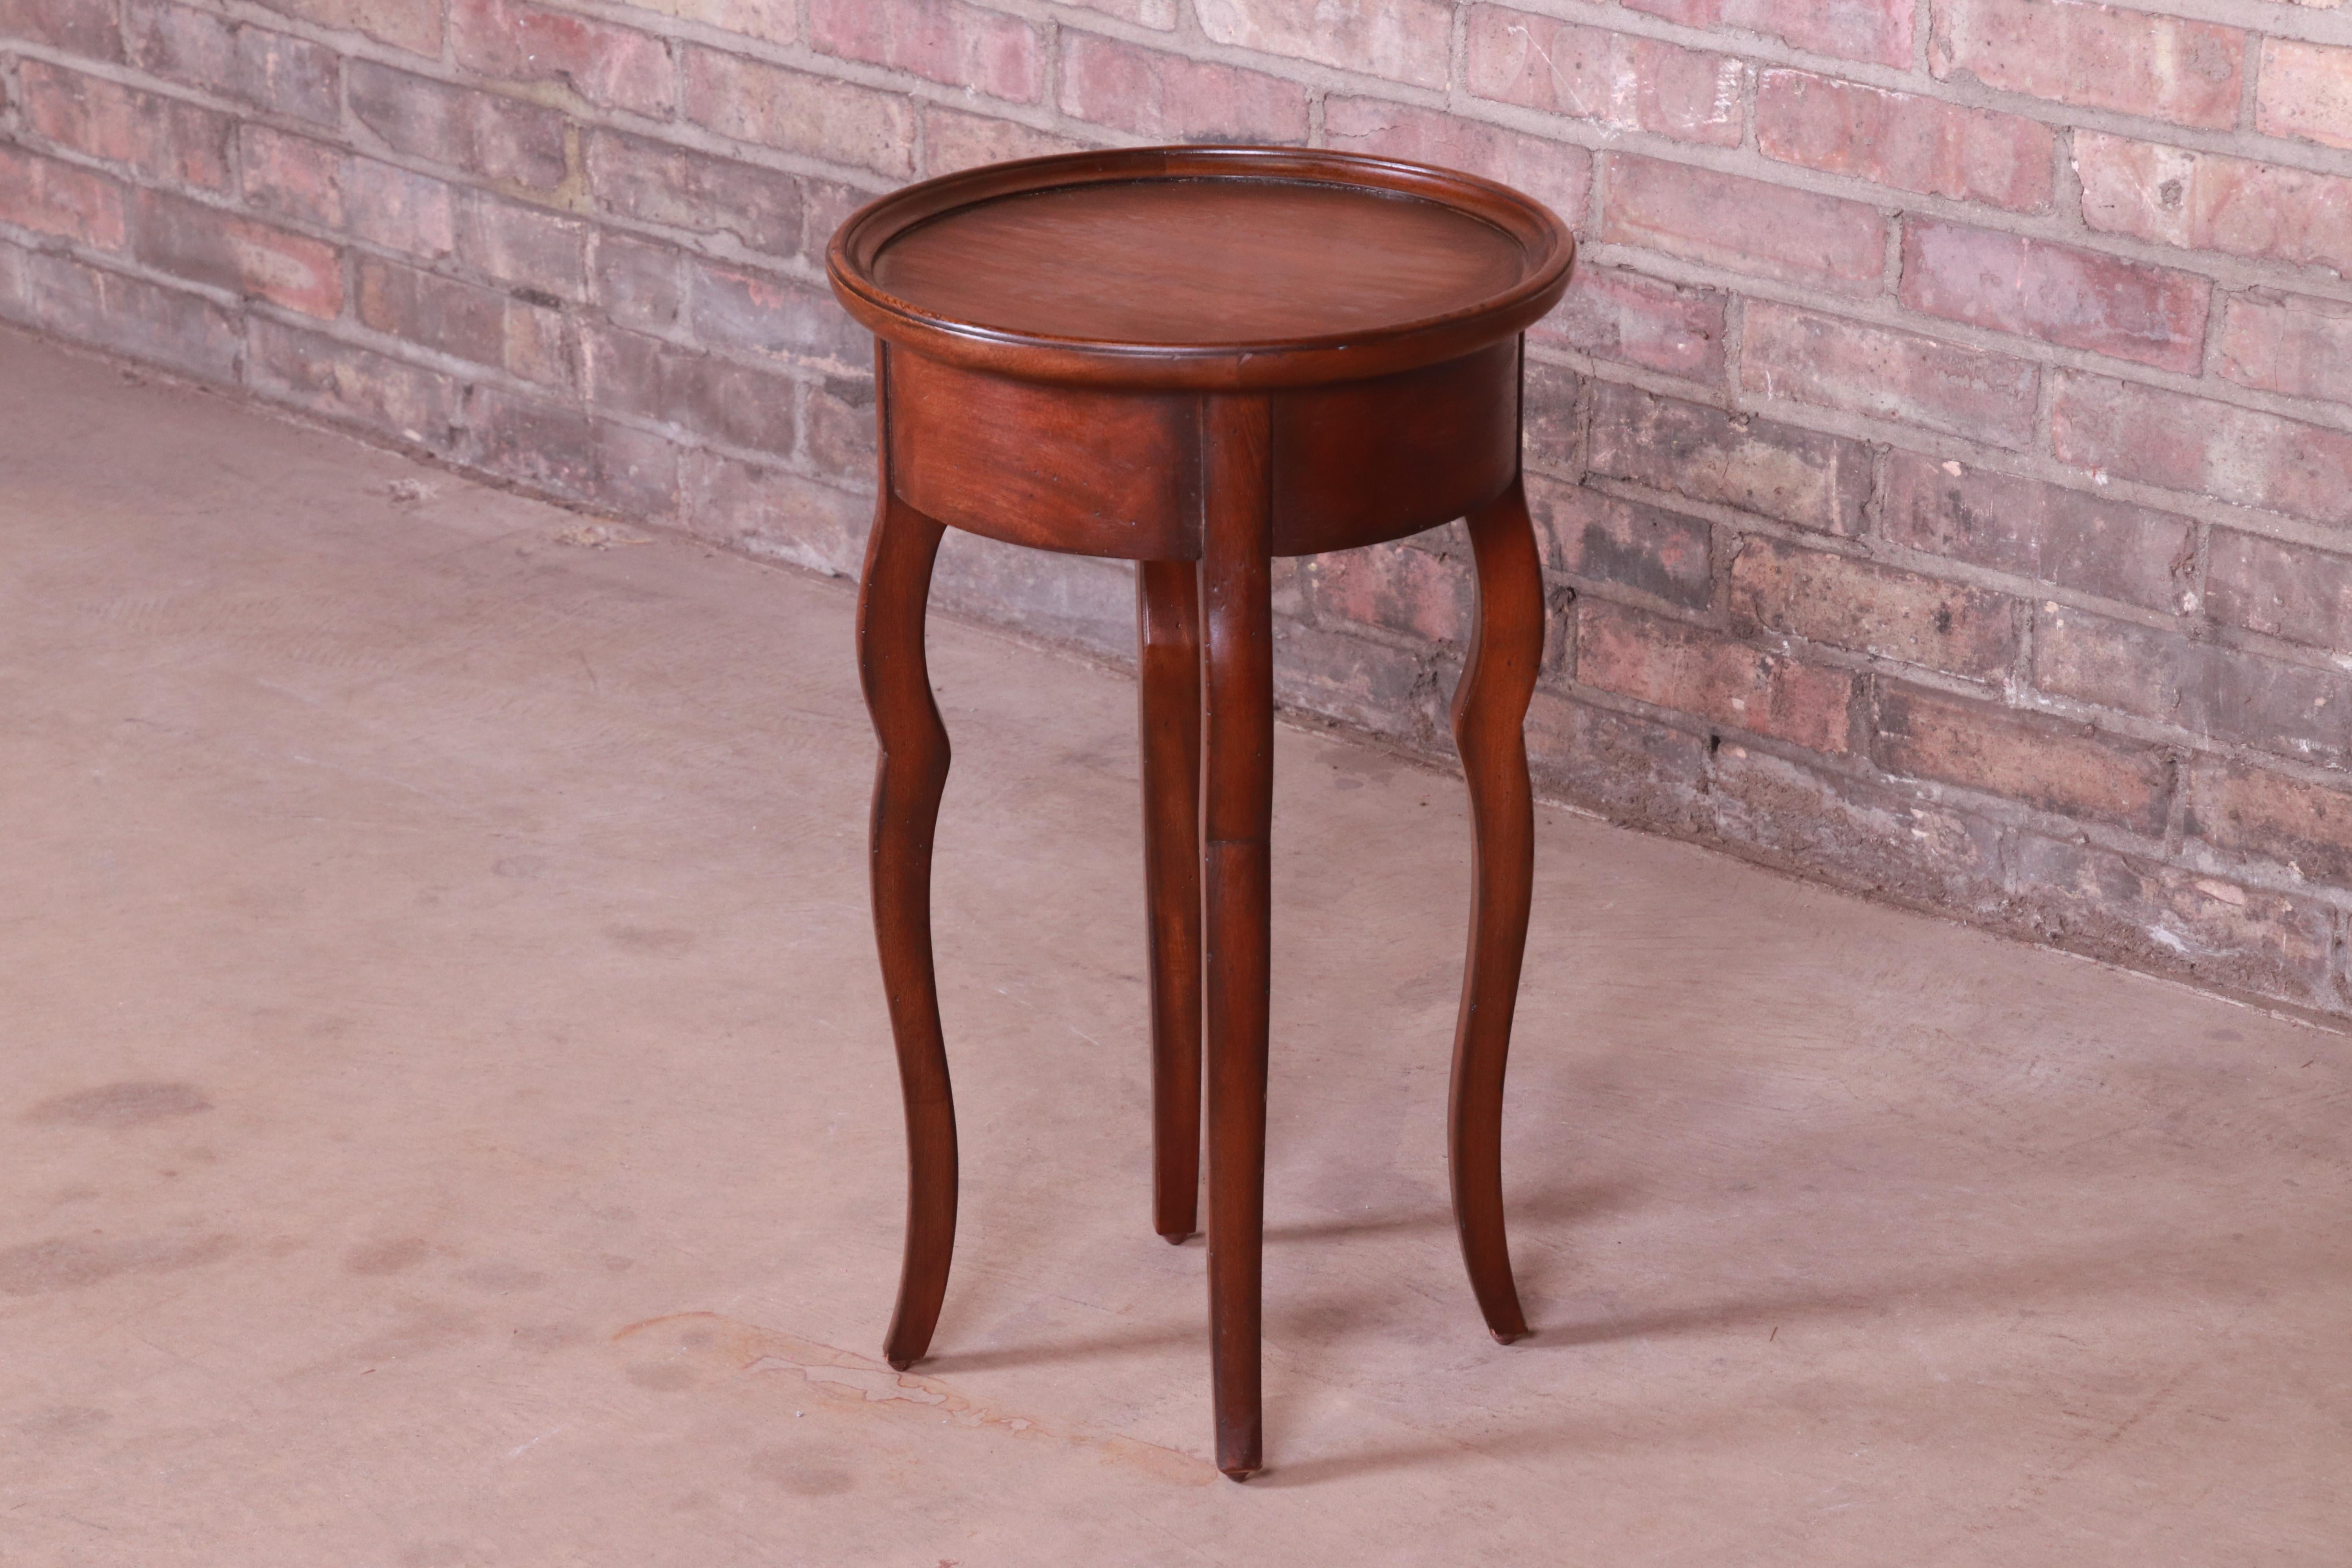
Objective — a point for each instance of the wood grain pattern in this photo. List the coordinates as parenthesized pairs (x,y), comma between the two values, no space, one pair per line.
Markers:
(1167,665)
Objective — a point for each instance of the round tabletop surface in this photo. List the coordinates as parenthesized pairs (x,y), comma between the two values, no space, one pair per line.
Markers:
(1200,267)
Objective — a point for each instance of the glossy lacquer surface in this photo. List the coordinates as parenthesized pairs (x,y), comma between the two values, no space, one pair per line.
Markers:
(1199,359)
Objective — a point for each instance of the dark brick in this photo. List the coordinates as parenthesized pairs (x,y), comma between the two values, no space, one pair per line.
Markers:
(564,452)
(162,139)
(1871,608)
(1671,664)
(769,314)
(1804,477)
(700,392)
(837,425)
(2050,764)
(1603,537)
(1627,768)
(2254,812)
(354,385)
(2287,590)
(209,246)
(541,251)
(131,316)
(766,510)
(63,199)
(1548,424)
(443,313)
(496,138)
(1067,598)
(285,75)
(77,27)
(2119,551)
(1386,689)
(1397,588)
(1861,834)
(638,282)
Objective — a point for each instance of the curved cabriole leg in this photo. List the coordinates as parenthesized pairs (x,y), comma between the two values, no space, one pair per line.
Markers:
(907,783)
(1168,632)
(1237,574)
(1490,709)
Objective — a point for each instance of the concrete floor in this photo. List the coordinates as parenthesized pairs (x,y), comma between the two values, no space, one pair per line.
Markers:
(450,1116)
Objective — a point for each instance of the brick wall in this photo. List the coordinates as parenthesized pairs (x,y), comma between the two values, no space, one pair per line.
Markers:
(1945,460)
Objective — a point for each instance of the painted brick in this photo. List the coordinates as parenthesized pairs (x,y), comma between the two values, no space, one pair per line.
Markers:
(1877,30)
(1397,588)
(2189,444)
(2052,765)
(944,40)
(638,282)
(43,194)
(2289,591)
(162,326)
(2113,549)
(1861,834)
(541,251)
(1902,139)
(2305,90)
(1805,477)
(2058,293)
(658,182)
(2264,815)
(76,27)
(1561,176)
(1618,80)
(768,314)
(566,452)
(354,385)
(2224,694)
(2191,73)
(700,393)
(767,511)
(2299,347)
(1779,589)
(1835,363)
(1404,40)
(511,39)
(2202,928)
(1746,225)
(412,24)
(209,246)
(953,140)
(798,112)
(837,427)
(1548,426)
(2204,201)
(1153,94)
(771,21)
(1627,767)
(495,138)
(456,318)
(161,138)
(1617,315)
(1672,664)
(1601,538)
(285,75)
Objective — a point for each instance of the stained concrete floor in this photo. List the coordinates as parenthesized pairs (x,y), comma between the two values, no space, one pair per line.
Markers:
(449,1118)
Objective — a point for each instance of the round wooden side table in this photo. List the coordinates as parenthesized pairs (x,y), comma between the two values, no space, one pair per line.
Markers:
(1198,359)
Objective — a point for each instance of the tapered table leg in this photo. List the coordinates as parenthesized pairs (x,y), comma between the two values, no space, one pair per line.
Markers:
(1238,790)
(907,783)
(1490,708)
(1168,626)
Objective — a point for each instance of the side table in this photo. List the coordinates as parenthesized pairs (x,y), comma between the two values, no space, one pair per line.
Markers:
(1199,359)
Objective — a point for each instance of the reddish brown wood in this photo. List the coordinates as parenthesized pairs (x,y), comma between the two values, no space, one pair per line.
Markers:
(1168,622)
(1237,813)
(1490,709)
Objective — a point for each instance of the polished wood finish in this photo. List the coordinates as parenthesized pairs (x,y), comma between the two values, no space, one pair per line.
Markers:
(1199,359)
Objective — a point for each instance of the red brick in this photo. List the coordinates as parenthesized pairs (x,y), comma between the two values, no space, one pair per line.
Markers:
(1601,538)
(312,182)
(564,452)
(2058,293)
(2048,764)
(1585,73)
(1805,477)
(77,203)
(1901,140)
(1159,14)
(1743,224)
(2191,73)
(2305,90)
(603,64)
(1836,600)
(2110,548)
(2202,201)
(541,251)
(1858,833)
(1396,587)
(1559,176)
(1865,369)
(209,246)
(2224,694)
(1876,30)
(2270,816)
(161,138)
(285,75)
(763,19)
(1616,315)
(1153,94)
(1548,428)
(1403,40)
(2186,443)
(412,24)
(2300,347)
(496,138)
(944,40)
(837,427)
(814,115)
(712,397)
(162,326)
(464,319)
(658,182)
(1627,767)
(639,283)
(399,209)
(769,314)
(1671,664)
(953,140)
(77,27)
(2286,590)
(352,386)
